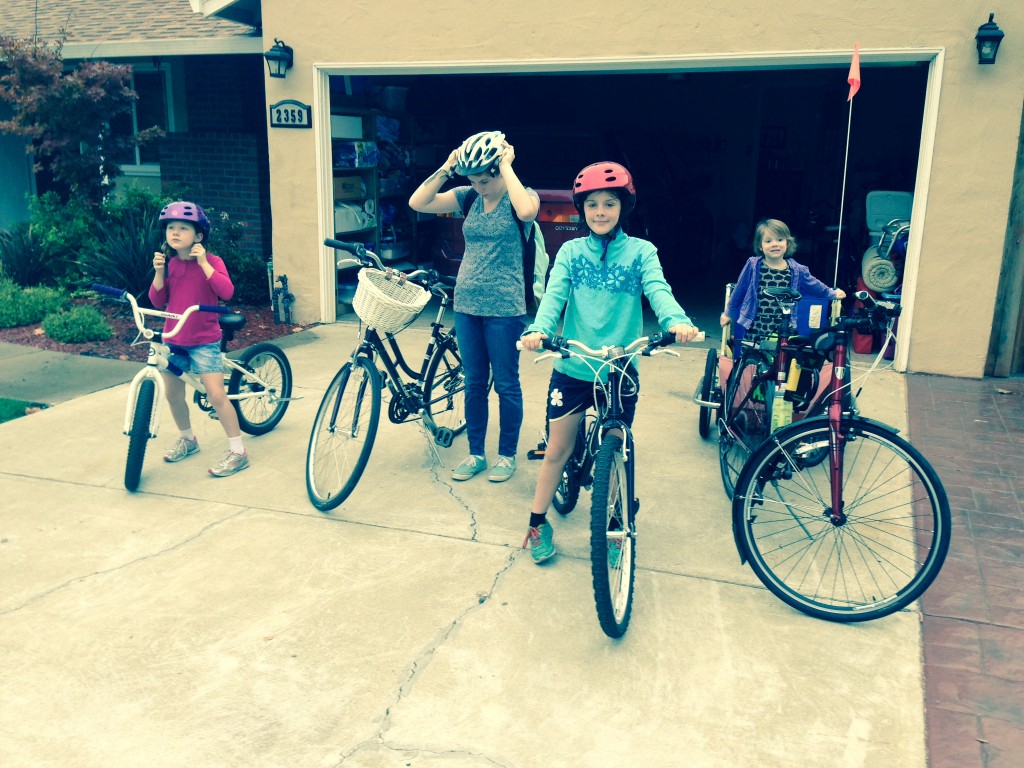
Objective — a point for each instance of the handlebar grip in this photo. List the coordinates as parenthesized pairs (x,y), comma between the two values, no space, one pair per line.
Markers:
(356,249)
(215,309)
(100,288)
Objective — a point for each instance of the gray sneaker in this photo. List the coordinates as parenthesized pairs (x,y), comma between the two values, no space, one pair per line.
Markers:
(471,465)
(503,469)
(229,464)
(182,449)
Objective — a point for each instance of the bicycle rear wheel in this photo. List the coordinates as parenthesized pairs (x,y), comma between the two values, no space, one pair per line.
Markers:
(612,539)
(708,390)
(444,387)
(746,416)
(259,415)
(343,434)
(882,556)
(138,436)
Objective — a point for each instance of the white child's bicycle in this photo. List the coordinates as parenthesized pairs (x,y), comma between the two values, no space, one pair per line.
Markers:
(259,382)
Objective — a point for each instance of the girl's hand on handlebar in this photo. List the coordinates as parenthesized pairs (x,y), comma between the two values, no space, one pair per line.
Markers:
(684,333)
(532,341)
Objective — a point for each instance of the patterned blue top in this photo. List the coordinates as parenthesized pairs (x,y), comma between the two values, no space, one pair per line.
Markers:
(602,297)
(490,280)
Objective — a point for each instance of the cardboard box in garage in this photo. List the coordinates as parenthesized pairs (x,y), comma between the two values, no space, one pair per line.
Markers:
(348,187)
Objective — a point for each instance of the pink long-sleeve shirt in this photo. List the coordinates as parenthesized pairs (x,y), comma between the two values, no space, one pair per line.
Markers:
(186,284)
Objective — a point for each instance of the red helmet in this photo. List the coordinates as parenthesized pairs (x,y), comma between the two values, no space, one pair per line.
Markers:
(604,175)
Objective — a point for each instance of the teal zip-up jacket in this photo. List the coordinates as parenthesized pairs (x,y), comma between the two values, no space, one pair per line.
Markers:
(601,297)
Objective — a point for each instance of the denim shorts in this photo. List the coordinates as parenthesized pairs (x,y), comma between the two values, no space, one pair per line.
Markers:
(568,395)
(200,359)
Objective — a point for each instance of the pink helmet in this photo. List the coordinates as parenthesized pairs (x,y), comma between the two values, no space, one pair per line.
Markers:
(186,211)
(605,175)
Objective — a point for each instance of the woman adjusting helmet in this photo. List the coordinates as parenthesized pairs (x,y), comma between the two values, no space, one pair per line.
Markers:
(480,153)
(605,176)
(186,211)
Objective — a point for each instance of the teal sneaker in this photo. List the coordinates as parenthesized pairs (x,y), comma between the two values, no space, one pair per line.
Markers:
(541,546)
(614,549)
(503,469)
(470,466)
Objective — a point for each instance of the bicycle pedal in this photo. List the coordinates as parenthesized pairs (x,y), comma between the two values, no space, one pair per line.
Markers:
(444,437)
(537,454)
(213,415)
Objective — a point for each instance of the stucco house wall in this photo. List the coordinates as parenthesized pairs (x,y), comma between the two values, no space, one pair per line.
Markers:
(967,162)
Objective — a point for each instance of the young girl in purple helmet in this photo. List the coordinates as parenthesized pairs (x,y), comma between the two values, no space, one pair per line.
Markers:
(186,274)
(598,280)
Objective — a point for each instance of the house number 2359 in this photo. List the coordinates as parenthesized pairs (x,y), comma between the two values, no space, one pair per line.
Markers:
(290,114)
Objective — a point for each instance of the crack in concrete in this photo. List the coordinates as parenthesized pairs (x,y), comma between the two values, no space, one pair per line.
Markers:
(160,553)
(435,466)
(419,664)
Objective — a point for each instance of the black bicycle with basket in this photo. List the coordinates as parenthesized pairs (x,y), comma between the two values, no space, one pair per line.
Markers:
(346,423)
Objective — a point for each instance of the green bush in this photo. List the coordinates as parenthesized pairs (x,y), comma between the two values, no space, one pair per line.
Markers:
(24,306)
(248,270)
(63,230)
(121,254)
(77,325)
(22,256)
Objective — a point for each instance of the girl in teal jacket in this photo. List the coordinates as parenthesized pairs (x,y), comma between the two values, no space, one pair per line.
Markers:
(598,280)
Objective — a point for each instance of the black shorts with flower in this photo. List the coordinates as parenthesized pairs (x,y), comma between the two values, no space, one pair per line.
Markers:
(568,395)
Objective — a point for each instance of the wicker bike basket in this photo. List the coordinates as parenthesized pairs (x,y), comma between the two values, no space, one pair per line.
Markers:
(389,305)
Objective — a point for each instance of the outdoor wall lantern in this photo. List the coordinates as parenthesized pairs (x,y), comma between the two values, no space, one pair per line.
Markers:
(279,57)
(989,36)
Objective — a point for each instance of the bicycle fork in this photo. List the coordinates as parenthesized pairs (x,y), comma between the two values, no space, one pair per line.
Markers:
(146,373)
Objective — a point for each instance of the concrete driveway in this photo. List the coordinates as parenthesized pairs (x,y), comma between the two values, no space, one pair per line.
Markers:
(226,622)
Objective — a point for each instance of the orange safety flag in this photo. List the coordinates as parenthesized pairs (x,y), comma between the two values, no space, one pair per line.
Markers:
(854,77)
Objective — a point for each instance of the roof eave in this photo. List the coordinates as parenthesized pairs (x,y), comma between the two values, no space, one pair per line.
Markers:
(122,49)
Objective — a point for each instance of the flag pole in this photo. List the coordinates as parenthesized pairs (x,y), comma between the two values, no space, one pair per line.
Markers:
(842,197)
(854,80)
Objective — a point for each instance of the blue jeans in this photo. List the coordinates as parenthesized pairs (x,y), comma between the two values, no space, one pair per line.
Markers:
(488,346)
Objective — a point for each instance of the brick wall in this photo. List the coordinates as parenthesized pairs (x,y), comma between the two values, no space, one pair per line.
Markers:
(222,160)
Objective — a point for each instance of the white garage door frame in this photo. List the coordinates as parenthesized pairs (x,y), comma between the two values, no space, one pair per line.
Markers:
(838,59)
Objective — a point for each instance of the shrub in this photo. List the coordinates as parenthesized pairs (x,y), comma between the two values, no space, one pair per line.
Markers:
(121,254)
(77,325)
(22,256)
(63,230)
(248,270)
(24,306)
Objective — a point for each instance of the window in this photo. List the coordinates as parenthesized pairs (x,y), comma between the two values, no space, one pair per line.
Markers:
(151,109)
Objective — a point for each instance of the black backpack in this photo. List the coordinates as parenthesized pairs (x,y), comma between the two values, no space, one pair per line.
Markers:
(529,243)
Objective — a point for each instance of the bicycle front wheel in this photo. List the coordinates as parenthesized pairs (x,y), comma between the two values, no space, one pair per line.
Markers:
(708,390)
(612,539)
(888,545)
(138,436)
(746,416)
(444,387)
(259,415)
(343,434)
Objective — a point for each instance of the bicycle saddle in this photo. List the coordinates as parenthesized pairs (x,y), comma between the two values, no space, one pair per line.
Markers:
(231,324)
(782,294)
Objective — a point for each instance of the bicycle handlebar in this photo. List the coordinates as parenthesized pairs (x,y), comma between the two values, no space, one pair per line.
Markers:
(564,347)
(139,313)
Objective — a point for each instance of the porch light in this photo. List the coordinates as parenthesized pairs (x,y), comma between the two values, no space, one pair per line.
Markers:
(279,58)
(989,36)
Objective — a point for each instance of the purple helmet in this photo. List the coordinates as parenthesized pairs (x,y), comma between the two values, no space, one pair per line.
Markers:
(186,211)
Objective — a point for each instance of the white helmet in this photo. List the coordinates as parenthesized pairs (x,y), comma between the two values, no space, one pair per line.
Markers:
(480,153)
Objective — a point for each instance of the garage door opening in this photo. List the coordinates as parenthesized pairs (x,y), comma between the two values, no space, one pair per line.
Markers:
(712,153)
